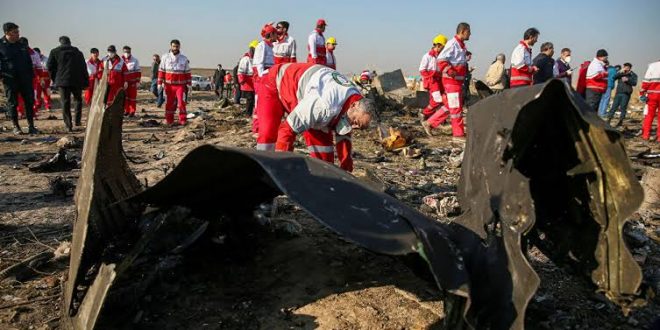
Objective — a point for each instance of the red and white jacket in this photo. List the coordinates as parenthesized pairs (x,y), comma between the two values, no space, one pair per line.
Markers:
(365,75)
(94,70)
(521,65)
(651,81)
(330,59)
(263,58)
(284,50)
(318,97)
(227,78)
(597,76)
(452,60)
(428,69)
(134,73)
(37,67)
(44,67)
(117,70)
(316,48)
(174,70)
(245,73)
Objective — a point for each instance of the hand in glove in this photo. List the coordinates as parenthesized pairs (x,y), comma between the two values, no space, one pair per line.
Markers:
(125,85)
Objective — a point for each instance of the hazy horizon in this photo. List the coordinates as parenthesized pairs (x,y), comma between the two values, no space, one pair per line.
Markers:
(382,36)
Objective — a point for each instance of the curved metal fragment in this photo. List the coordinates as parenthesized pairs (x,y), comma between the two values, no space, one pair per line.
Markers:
(539,163)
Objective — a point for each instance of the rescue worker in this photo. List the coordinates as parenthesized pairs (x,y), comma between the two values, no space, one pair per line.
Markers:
(263,59)
(16,73)
(174,77)
(522,68)
(284,48)
(431,81)
(581,86)
(453,65)
(316,44)
(227,86)
(117,70)
(365,77)
(133,76)
(650,93)
(95,72)
(42,97)
(319,101)
(246,77)
(330,46)
(596,80)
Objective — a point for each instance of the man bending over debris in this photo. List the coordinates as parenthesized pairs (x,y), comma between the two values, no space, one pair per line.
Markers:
(318,101)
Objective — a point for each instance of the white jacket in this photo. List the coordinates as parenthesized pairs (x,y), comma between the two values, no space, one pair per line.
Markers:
(285,49)
(263,58)
(453,53)
(323,96)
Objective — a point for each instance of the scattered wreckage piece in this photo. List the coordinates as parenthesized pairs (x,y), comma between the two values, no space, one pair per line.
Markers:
(60,162)
(540,165)
(105,180)
(477,260)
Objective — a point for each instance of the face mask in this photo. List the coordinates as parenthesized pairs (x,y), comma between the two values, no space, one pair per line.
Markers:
(567,59)
(127,54)
(111,54)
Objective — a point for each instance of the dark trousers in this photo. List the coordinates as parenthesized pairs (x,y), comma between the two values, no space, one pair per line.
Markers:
(249,101)
(620,103)
(593,99)
(160,99)
(237,96)
(65,98)
(12,89)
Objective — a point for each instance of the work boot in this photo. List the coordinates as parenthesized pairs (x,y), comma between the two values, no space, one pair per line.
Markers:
(33,130)
(17,130)
(427,127)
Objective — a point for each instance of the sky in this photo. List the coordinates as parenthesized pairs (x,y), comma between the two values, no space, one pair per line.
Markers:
(378,35)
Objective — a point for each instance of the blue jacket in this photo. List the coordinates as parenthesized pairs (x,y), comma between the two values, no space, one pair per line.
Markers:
(611,74)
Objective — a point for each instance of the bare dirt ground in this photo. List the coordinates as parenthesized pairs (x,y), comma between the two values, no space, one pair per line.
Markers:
(312,279)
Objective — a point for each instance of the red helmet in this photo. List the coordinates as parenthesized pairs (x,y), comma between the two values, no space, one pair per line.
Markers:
(267,29)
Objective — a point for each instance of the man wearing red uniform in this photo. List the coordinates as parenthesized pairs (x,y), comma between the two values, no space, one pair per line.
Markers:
(133,75)
(316,44)
(596,79)
(42,89)
(117,70)
(431,80)
(175,78)
(452,64)
(246,78)
(284,48)
(262,61)
(319,101)
(522,70)
(650,92)
(95,72)
(331,60)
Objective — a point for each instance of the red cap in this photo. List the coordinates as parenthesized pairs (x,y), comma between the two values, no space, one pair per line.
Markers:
(266,30)
(321,22)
